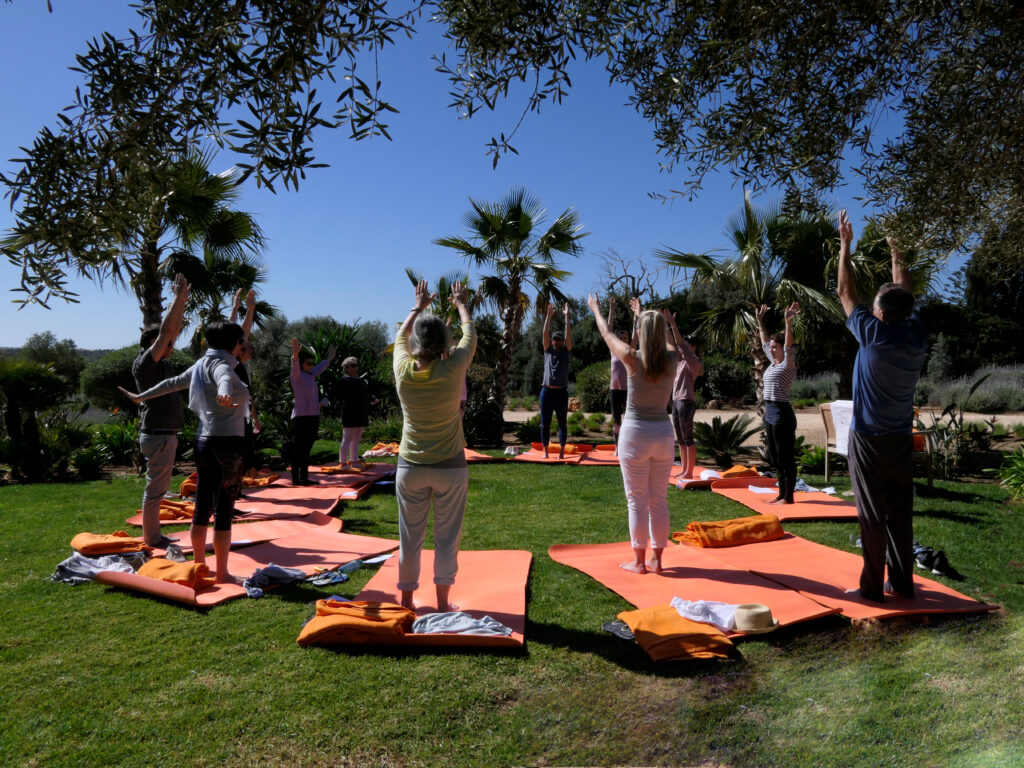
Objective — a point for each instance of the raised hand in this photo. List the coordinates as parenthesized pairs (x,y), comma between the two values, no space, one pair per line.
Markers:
(760,312)
(595,305)
(250,297)
(459,294)
(565,309)
(792,311)
(551,310)
(424,298)
(295,347)
(845,230)
(634,304)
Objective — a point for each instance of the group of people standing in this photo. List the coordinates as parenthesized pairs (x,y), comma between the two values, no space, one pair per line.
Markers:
(651,368)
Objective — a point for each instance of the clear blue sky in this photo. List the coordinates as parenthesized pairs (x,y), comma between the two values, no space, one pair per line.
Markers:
(340,244)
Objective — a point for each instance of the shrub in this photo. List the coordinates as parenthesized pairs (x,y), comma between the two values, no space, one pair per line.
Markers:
(724,438)
(812,460)
(384,430)
(592,387)
(119,440)
(481,424)
(1001,389)
(528,431)
(88,462)
(1011,473)
(100,379)
(727,379)
(822,387)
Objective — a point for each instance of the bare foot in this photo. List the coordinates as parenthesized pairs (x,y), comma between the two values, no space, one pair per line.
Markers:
(654,565)
(227,578)
(777,501)
(633,567)
(686,477)
(561,454)
(449,608)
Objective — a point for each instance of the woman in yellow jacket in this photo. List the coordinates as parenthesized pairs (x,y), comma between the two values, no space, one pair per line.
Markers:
(432,458)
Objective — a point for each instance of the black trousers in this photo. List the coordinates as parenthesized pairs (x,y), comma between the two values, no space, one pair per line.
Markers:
(780,434)
(882,473)
(304,430)
(220,466)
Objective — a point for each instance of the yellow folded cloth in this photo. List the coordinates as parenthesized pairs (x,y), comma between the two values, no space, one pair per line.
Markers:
(108,544)
(195,575)
(338,621)
(259,478)
(188,485)
(729,533)
(667,636)
(738,470)
(175,510)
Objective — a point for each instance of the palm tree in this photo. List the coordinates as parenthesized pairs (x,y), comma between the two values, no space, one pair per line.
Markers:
(26,387)
(775,253)
(507,243)
(443,306)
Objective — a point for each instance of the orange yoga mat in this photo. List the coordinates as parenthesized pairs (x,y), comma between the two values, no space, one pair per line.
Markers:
(306,551)
(476,457)
(689,573)
(676,479)
(489,583)
(354,486)
(813,505)
(245,534)
(824,574)
(536,455)
(601,456)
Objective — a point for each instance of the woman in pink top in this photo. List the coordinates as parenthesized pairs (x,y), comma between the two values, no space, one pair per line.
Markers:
(684,399)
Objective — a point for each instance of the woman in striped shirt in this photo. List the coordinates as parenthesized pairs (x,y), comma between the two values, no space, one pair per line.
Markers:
(779,419)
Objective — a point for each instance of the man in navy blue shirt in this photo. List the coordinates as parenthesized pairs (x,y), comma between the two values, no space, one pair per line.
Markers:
(893,344)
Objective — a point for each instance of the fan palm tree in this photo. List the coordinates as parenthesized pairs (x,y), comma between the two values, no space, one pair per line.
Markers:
(517,258)
(776,252)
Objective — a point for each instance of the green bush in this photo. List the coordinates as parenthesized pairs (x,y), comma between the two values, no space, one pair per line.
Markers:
(592,387)
(728,379)
(1002,389)
(724,438)
(812,460)
(528,431)
(819,388)
(100,379)
(88,462)
(1011,473)
(119,440)
(384,430)
(481,423)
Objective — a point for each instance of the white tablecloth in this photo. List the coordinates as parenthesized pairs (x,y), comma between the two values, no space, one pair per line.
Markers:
(842,416)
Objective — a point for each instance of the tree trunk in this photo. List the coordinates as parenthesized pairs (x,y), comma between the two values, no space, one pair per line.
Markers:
(149,286)
(512,320)
(758,372)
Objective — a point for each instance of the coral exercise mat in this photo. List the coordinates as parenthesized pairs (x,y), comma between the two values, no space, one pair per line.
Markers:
(808,505)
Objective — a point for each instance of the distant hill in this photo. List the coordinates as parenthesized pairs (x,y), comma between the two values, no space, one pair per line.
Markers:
(89,354)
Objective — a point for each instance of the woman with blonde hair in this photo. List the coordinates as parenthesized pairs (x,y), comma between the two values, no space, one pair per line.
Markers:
(646,440)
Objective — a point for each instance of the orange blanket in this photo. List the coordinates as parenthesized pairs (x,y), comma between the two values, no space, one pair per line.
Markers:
(259,478)
(175,510)
(196,576)
(729,533)
(354,622)
(738,470)
(108,544)
(571,449)
(667,636)
(188,486)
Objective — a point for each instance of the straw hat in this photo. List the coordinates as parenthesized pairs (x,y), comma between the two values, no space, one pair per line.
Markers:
(754,619)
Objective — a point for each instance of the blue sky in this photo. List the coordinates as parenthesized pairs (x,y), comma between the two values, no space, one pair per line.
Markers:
(340,244)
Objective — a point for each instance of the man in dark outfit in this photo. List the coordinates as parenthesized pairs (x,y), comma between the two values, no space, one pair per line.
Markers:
(161,417)
(892,350)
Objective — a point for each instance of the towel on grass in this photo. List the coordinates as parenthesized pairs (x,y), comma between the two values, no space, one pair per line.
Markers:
(188,574)
(188,485)
(108,544)
(338,622)
(667,636)
(175,510)
(79,568)
(730,533)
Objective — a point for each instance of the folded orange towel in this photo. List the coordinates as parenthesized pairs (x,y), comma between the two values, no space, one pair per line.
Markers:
(259,479)
(108,544)
(188,485)
(354,622)
(571,449)
(175,510)
(667,636)
(738,470)
(729,533)
(195,575)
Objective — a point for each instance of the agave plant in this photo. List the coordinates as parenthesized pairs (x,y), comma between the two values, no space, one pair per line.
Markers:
(724,438)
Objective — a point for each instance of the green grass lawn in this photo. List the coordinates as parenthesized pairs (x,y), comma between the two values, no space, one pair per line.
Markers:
(96,676)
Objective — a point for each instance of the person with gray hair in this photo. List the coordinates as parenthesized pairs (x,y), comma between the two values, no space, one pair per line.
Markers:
(355,413)
(893,343)
(431,457)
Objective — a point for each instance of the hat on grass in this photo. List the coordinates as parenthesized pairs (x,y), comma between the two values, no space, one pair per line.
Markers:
(754,619)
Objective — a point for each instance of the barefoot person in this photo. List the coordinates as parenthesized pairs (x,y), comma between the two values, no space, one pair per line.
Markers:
(618,380)
(779,419)
(684,399)
(646,444)
(892,350)
(220,400)
(554,392)
(160,419)
(431,458)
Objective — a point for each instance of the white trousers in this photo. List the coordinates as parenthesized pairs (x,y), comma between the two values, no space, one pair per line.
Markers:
(349,448)
(646,452)
(415,488)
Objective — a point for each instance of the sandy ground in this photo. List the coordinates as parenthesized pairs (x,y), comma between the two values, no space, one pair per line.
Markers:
(808,421)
